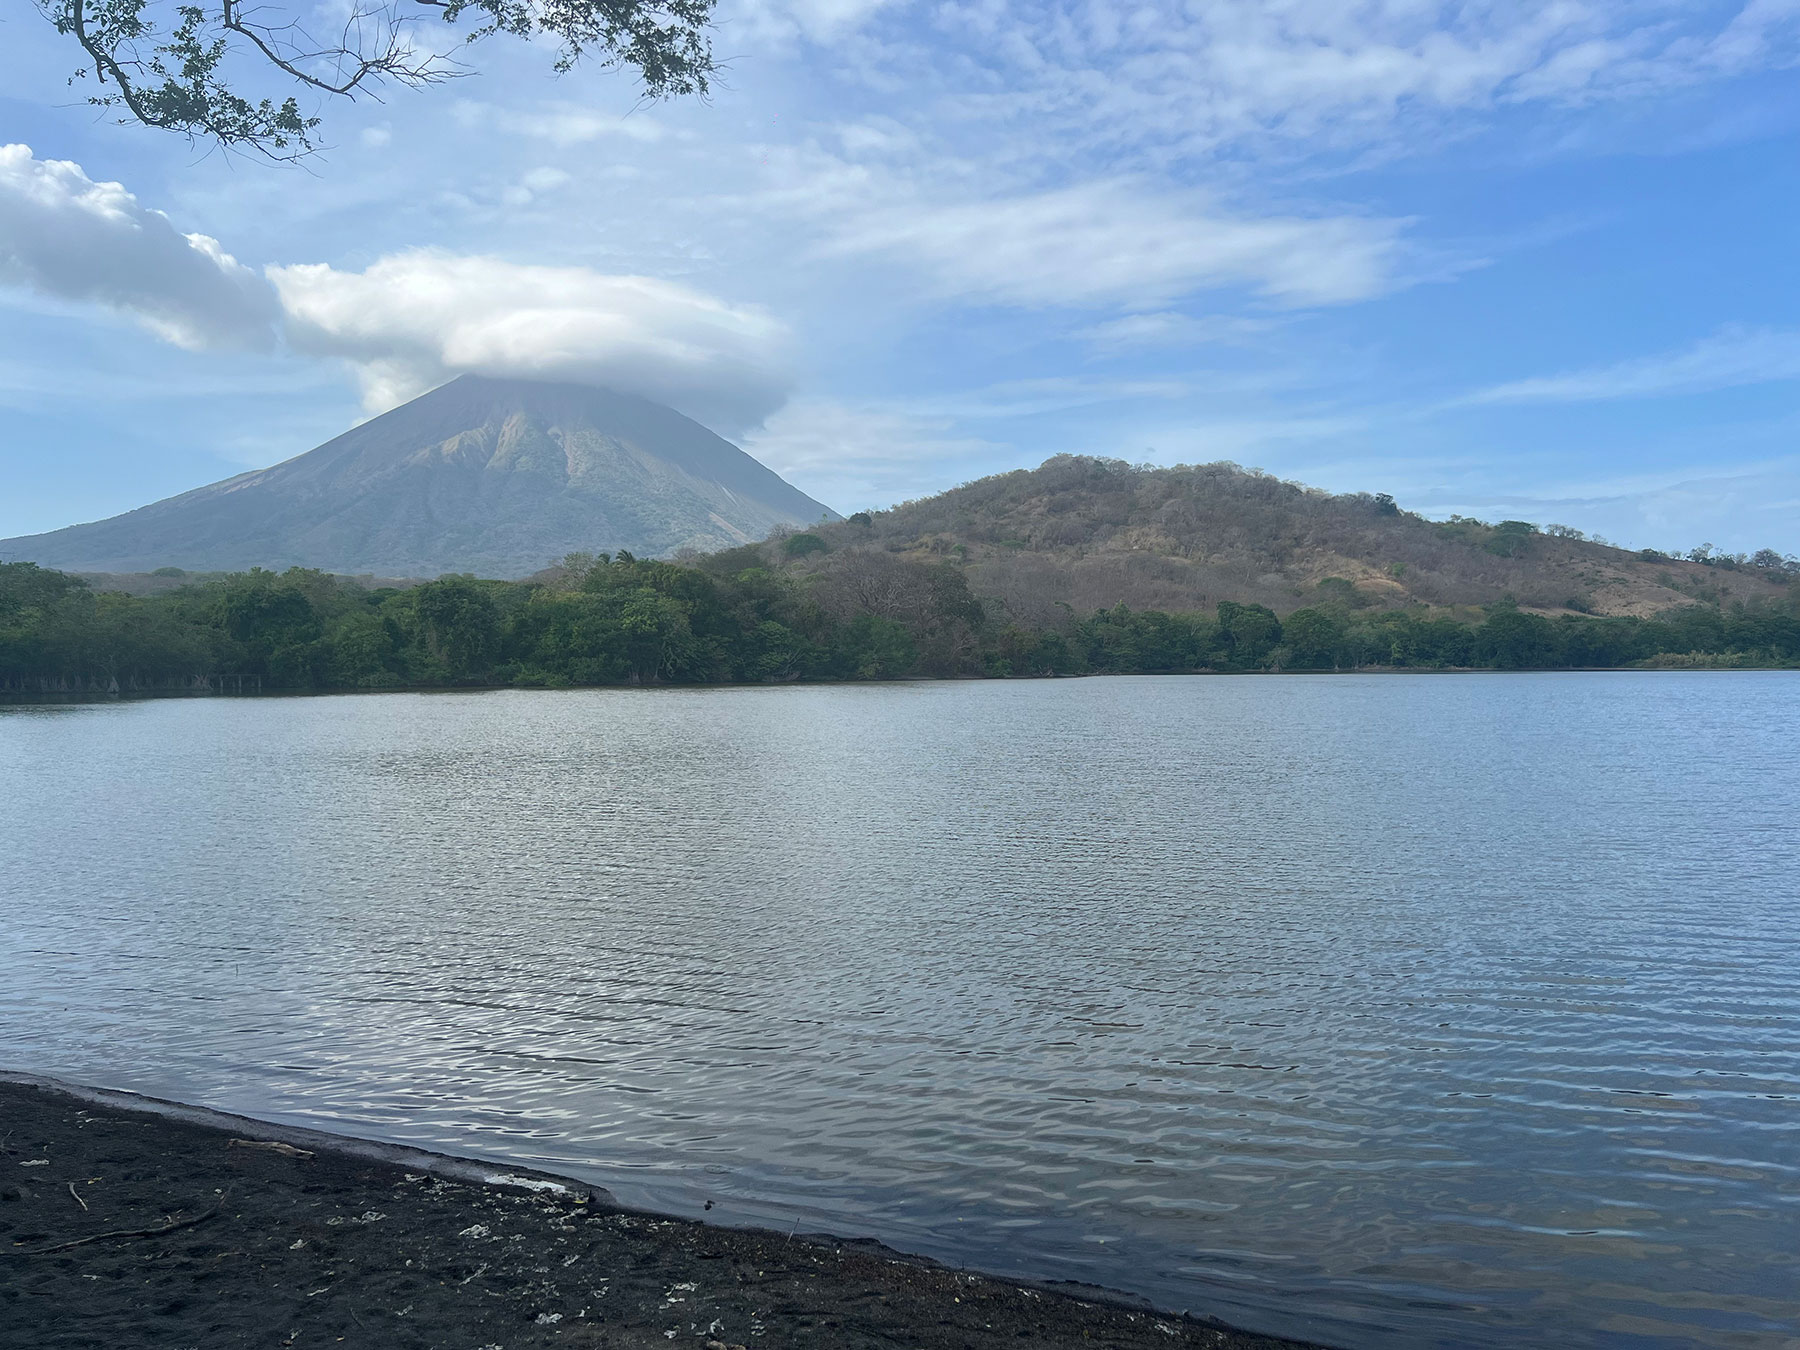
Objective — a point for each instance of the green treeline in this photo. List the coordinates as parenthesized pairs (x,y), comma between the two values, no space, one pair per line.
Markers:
(619,620)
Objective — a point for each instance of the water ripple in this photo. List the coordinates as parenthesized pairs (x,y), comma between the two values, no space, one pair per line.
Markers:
(1398,1012)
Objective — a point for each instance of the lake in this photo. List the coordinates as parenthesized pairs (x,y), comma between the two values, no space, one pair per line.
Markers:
(1386,1010)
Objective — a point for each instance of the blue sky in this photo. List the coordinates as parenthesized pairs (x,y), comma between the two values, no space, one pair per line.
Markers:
(1531,259)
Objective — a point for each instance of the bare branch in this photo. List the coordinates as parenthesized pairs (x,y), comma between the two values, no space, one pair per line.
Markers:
(391,62)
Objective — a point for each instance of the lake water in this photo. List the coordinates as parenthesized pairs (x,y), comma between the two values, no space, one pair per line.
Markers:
(1389,1011)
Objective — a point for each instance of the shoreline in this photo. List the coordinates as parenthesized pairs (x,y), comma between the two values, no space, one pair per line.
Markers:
(132,1220)
(13,698)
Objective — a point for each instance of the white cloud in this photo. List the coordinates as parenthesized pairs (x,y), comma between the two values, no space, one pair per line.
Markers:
(413,320)
(1169,328)
(1731,358)
(1755,37)
(545,178)
(1111,242)
(782,22)
(407,323)
(65,236)
(1162,78)
(534,184)
(561,124)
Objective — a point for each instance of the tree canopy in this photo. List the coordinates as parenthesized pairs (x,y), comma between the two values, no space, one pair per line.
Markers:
(248,76)
(602,620)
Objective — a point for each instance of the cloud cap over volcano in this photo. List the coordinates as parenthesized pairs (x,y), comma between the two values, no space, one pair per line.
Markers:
(413,320)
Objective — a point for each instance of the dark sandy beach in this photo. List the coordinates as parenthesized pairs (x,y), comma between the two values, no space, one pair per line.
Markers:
(124,1227)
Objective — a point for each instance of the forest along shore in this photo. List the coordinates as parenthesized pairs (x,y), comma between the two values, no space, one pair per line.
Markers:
(124,1227)
(857,616)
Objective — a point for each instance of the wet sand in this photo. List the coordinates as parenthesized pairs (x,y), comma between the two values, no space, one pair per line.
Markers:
(123,1226)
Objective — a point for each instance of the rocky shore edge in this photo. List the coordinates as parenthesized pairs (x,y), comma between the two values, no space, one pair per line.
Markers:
(126,1221)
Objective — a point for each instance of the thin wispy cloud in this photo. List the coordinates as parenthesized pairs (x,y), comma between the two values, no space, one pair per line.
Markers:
(868,454)
(1670,508)
(786,23)
(1054,394)
(1170,329)
(1731,358)
(1160,78)
(1115,243)
(562,124)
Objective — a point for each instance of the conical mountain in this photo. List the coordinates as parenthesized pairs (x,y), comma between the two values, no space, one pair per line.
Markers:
(495,477)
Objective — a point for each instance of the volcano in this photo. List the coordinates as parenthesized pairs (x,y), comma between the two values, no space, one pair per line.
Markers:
(495,477)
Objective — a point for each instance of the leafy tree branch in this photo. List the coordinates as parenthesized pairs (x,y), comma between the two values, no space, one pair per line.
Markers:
(184,67)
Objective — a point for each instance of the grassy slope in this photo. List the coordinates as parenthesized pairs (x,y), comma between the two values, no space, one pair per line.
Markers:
(1090,534)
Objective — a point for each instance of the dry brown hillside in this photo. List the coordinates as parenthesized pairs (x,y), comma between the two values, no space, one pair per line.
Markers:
(1092,533)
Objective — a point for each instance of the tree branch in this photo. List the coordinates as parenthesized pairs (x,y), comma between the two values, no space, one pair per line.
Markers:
(390,64)
(182,78)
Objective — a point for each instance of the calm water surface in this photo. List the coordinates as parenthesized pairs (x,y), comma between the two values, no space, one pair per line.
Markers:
(1388,1011)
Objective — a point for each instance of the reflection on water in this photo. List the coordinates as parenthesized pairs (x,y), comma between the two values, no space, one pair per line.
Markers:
(1390,1011)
